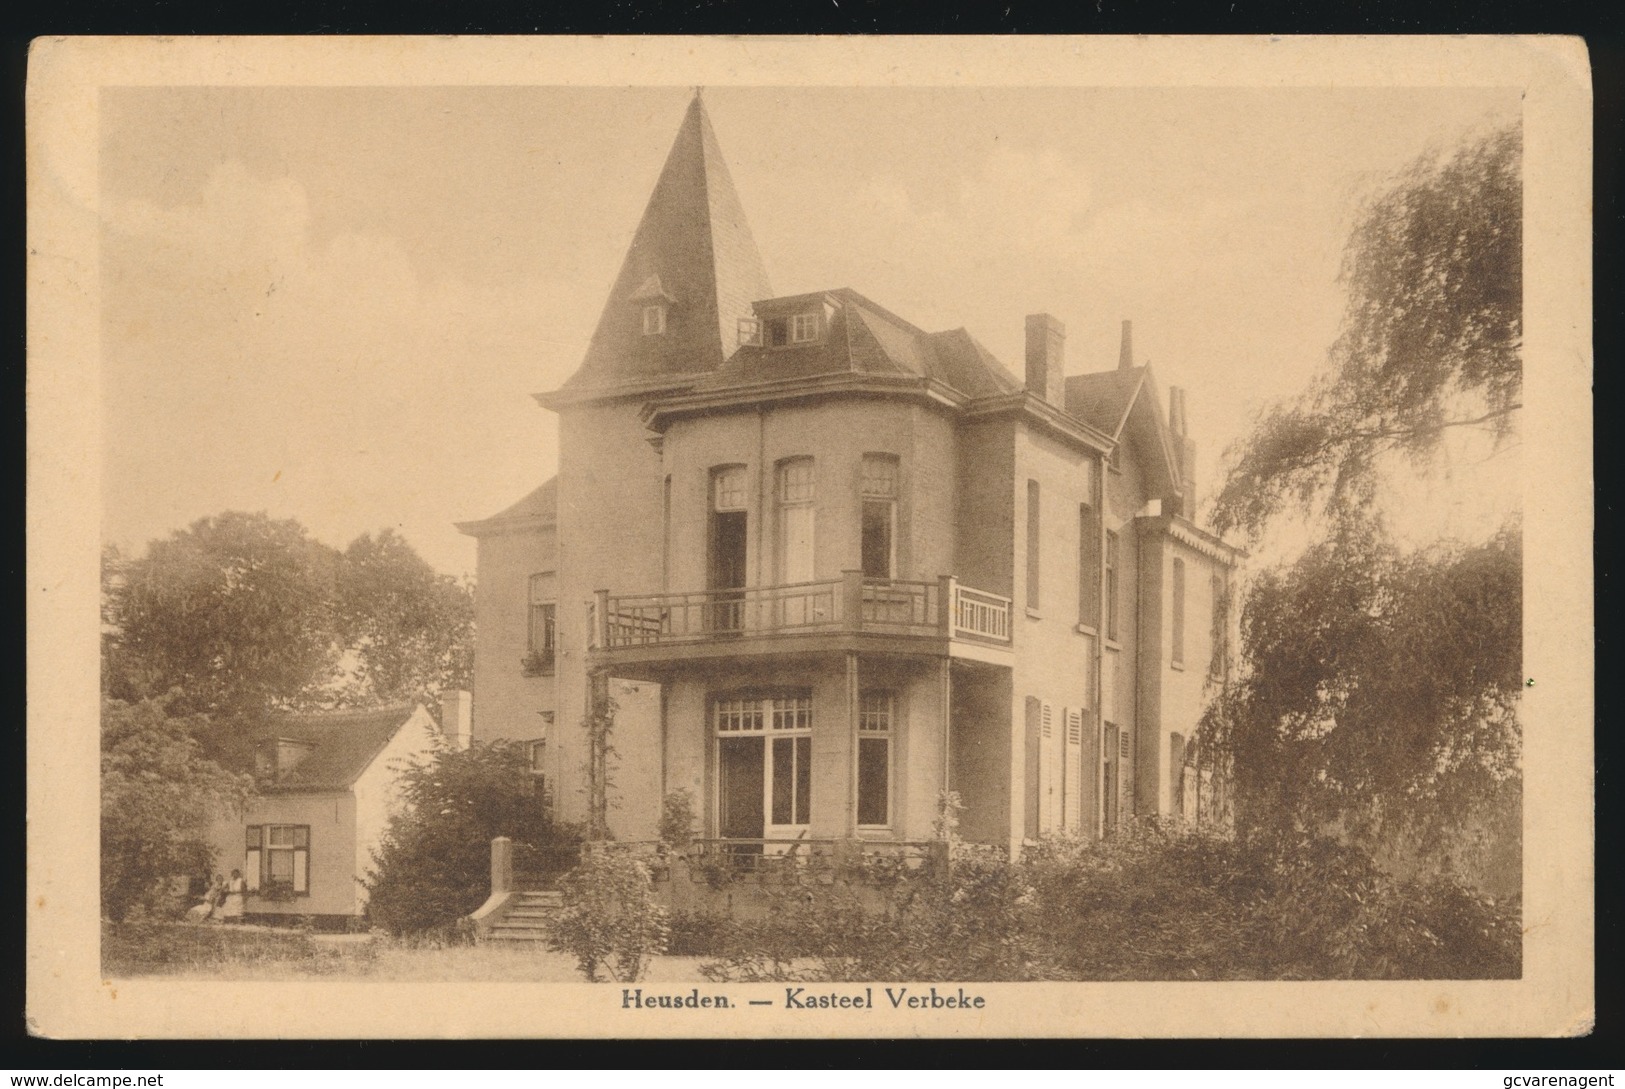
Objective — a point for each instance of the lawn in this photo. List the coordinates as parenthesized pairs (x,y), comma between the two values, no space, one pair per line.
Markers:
(206,952)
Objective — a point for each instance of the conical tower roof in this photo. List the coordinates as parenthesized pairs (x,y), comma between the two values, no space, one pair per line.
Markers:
(693,253)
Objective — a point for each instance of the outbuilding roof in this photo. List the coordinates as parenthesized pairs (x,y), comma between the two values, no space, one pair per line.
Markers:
(342,745)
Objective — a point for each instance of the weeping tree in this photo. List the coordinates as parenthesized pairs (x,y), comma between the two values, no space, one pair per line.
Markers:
(1379,689)
(1431,341)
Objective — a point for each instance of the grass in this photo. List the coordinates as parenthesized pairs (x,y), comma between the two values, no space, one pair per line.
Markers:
(193,952)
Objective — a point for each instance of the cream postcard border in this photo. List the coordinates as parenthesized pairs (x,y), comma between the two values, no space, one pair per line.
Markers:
(66,994)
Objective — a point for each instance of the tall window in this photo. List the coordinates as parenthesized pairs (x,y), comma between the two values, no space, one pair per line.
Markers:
(1033,527)
(796,520)
(879,516)
(654,320)
(874,759)
(277,855)
(542,636)
(1111,584)
(1216,636)
(1178,639)
(1088,566)
(764,764)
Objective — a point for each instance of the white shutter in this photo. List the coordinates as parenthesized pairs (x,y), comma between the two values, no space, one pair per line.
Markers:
(1073,770)
(1049,799)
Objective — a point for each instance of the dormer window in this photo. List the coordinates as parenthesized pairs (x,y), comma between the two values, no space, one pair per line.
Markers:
(804,328)
(778,332)
(654,320)
(750,333)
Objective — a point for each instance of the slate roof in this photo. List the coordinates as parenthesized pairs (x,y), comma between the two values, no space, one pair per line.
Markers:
(542,503)
(343,744)
(1102,399)
(864,337)
(694,247)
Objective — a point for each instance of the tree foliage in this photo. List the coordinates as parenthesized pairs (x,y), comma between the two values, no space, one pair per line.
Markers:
(434,864)
(242,614)
(1381,690)
(410,628)
(1431,339)
(234,612)
(159,798)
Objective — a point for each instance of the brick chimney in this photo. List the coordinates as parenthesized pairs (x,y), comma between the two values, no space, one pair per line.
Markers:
(1184,447)
(1046,350)
(1125,354)
(457,717)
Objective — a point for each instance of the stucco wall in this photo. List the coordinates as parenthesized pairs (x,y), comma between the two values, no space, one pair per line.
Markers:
(609,537)
(331,817)
(836,435)
(377,791)
(507,703)
(1053,660)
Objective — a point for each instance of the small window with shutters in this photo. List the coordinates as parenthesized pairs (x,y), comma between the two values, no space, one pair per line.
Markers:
(277,857)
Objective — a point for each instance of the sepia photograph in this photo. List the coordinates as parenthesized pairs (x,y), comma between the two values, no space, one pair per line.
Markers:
(737,545)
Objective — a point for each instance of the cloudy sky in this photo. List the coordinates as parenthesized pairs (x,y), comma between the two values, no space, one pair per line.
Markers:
(333,304)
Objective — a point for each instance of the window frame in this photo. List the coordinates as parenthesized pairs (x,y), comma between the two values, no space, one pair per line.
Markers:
(796,498)
(1176,639)
(806,327)
(656,328)
(772,716)
(257,854)
(884,734)
(1035,532)
(541,627)
(886,500)
(1113,563)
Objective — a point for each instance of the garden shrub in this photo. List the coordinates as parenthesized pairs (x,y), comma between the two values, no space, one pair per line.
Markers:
(611,921)
(1157,901)
(434,864)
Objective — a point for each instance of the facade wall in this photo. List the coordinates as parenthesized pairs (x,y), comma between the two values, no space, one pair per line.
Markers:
(1054,660)
(333,859)
(1126,496)
(835,434)
(507,703)
(1175,693)
(377,791)
(609,537)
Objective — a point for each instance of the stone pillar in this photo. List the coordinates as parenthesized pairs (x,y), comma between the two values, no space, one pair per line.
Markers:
(501,865)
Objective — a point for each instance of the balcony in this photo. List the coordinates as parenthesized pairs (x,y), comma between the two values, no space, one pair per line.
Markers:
(848,613)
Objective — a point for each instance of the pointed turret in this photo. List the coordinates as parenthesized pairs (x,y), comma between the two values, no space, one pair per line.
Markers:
(690,274)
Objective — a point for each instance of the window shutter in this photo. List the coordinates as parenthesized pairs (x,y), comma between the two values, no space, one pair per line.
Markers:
(1072,795)
(1048,771)
(301,858)
(252,857)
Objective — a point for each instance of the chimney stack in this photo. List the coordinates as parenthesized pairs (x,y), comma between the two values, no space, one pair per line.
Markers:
(1046,346)
(457,717)
(1125,354)
(1178,423)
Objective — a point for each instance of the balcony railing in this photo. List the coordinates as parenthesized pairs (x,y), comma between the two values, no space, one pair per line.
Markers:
(851,603)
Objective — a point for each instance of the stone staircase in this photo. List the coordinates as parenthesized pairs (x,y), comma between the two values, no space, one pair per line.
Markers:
(525,917)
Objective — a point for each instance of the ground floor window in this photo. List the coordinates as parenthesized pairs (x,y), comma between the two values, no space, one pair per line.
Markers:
(277,856)
(764,765)
(875,711)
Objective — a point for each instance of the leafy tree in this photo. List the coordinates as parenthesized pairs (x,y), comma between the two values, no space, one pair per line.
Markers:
(410,628)
(1431,340)
(234,612)
(159,797)
(434,865)
(244,614)
(1381,689)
